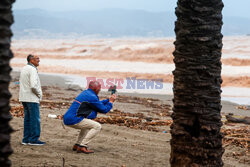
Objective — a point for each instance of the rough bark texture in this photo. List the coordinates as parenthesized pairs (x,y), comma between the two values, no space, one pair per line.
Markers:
(6,19)
(196,138)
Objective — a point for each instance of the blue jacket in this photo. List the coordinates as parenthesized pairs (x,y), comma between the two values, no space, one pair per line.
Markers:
(88,95)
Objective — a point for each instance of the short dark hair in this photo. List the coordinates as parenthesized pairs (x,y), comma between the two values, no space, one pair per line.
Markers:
(29,57)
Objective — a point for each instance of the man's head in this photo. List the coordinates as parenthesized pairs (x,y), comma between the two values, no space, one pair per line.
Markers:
(33,60)
(95,86)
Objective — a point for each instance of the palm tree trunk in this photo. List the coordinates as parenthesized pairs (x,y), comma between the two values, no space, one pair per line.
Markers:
(196,138)
(6,19)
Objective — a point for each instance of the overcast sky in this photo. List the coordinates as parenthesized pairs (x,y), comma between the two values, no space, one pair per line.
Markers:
(232,7)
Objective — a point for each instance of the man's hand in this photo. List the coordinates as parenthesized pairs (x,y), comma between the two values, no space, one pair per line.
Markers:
(112,98)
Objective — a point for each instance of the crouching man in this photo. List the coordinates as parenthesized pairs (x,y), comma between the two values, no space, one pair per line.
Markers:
(81,112)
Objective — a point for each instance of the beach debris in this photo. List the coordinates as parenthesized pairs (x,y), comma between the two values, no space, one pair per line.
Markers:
(133,120)
(243,107)
(134,123)
(55,104)
(63,125)
(160,123)
(149,119)
(52,116)
(60,117)
(63,161)
(117,112)
(236,136)
(148,102)
(55,116)
(231,118)
(17,111)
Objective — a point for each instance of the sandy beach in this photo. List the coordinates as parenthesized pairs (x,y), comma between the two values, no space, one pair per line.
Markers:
(135,142)
(186,60)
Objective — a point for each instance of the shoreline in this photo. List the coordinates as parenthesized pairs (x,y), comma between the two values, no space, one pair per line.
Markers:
(63,81)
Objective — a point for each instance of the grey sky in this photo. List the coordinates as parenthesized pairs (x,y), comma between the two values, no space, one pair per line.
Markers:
(232,7)
(149,5)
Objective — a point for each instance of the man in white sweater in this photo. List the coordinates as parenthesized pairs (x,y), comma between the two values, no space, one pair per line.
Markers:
(30,95)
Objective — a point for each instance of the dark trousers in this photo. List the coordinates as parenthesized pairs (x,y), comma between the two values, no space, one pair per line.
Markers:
(32,128)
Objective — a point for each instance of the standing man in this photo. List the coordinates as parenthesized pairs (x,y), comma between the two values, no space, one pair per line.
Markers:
(30,95)
(80,114)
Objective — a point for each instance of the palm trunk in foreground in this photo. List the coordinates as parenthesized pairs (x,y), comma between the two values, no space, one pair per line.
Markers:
(196,138)
(6,19)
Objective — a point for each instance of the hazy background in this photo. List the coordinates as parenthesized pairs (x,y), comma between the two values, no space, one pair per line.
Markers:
(112,18)
(129,28)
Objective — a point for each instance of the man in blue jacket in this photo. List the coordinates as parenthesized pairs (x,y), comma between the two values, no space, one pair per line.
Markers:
(89,128)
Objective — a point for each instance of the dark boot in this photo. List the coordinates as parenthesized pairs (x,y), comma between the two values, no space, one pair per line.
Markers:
(75,147)
(83,149)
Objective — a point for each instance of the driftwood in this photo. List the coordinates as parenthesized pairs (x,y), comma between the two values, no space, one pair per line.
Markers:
(243,107)
(231,118)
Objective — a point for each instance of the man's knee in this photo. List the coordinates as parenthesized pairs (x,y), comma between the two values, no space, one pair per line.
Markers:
(98,126)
